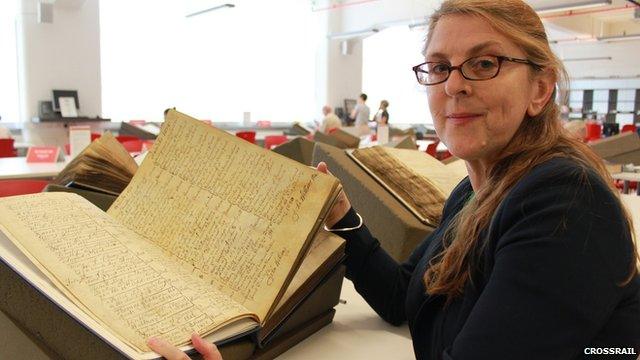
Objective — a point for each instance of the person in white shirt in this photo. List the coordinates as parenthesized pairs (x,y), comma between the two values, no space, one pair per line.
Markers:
(361,115)
(330,121)
(4,133)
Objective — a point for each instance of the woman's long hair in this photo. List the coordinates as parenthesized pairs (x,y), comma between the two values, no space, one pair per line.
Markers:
(538,139)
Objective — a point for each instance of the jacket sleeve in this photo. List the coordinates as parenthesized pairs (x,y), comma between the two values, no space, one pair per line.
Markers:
(380,280)
(561,250)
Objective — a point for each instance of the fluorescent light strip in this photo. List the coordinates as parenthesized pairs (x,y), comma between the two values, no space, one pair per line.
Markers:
(588,58)
(210,9)
(575,40)
(574,6)
(353,34)
(619,38)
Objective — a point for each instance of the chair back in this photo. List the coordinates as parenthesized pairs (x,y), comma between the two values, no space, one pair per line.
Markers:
(21,187)
(6,148)
(629,128)
(271,141)
(432,148)
(133,145)
(250,136)
(125,138)
(594,131)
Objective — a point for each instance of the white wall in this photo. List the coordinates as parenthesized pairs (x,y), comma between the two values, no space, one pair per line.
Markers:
(62,55)
(624,58)
(345,71)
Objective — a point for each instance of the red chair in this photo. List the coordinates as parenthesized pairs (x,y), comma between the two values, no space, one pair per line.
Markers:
(147,144)
(125,138)
(21,187)
(250,136)
(7,149)
(444,155)
(133,145)
(594,131)
(271,141)
(432,148)
(628,128)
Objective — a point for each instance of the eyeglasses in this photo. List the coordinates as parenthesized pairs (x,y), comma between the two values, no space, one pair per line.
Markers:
(476,68)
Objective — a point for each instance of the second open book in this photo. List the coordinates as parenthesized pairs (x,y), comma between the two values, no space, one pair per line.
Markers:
(206,238)
(419,181)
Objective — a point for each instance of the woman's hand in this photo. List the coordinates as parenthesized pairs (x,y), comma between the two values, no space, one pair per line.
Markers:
(341,206)
(208,351)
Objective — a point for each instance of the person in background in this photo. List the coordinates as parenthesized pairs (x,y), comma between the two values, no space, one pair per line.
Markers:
(382,116)
(361,114)
(4,133)
(577,129)
(330,121)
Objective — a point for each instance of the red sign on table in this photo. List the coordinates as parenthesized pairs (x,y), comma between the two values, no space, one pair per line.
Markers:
(44,154)
(137,122)
(264,123)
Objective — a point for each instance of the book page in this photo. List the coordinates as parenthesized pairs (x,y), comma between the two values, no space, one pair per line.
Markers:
(238,213)
(104,165)
(324,246)
(419,181)
(325,253)
(425,165)
(123,281)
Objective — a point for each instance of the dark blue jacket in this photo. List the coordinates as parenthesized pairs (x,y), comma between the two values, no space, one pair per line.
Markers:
(545,286)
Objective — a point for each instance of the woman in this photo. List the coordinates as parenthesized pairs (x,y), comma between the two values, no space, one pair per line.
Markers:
(534,257)
(382,116)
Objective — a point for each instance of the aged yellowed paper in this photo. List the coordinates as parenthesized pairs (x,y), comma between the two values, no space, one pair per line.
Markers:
(419,181)
(241,215)
(127,283)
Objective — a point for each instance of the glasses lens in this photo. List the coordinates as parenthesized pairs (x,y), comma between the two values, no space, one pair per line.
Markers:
(481,67)
(435,72)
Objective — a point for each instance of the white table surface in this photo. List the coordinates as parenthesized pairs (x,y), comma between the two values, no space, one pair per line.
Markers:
(356,332)
(628,176)
(18,168)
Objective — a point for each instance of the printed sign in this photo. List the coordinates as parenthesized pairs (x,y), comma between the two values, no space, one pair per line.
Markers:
(44,154)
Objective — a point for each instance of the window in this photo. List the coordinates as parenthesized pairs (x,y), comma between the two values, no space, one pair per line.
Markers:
(9,103)
(257,57)
(388,57)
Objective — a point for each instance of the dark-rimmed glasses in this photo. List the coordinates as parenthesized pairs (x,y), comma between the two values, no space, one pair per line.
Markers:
(477,68)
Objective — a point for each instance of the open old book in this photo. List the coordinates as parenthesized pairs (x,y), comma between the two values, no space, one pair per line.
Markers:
(419,181)
(104,166)
(207,238)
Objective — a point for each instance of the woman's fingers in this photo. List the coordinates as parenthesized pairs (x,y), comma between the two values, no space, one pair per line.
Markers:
(166,349)
(209,351)
(322,167)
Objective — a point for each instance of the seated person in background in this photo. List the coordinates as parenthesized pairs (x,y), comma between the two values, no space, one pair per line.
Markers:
(4,133)
(576,129)
(382,116)
(330,121)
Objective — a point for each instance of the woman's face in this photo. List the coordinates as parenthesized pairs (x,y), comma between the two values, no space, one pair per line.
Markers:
(476,119)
